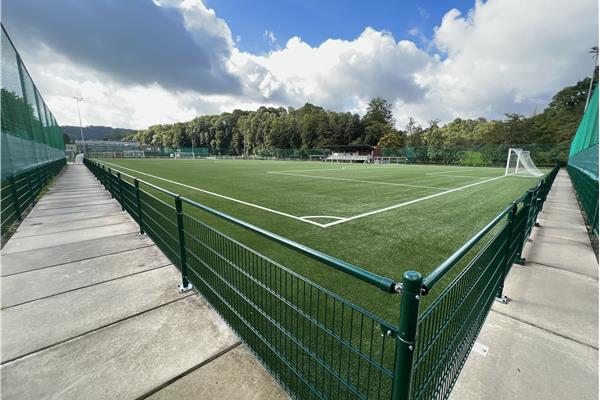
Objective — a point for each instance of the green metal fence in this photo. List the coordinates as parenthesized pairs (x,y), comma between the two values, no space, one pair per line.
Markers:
(19,191)
(583,163)
(30,135)
(586,188)
(315,343)
(479,154)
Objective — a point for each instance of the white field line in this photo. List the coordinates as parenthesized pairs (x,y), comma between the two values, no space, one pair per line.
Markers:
(357,180)
(219,195)
(307,217)
(313,170)
(447,172)
(406,203)
(462,176)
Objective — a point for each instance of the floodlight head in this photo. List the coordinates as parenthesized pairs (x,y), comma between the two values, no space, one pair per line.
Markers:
(78,99)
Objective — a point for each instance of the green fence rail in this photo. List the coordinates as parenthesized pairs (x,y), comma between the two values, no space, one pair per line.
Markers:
(20,190)
(315,343)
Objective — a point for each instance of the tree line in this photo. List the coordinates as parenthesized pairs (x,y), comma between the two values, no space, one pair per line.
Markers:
(310,127)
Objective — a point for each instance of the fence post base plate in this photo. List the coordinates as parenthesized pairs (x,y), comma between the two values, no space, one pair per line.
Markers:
(184,288)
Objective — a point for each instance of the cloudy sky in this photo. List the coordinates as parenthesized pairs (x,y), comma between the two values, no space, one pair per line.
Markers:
(141,62)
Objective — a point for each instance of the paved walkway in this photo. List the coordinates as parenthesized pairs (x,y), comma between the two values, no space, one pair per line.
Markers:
(90,310)
(543,344)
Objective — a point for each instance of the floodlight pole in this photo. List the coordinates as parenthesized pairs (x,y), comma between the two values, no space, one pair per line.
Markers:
(594,51)
(79,100)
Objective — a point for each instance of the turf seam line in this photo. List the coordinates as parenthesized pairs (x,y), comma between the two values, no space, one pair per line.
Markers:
(85,286)
(80,259)
(547,330)
(189,371)
(63,341)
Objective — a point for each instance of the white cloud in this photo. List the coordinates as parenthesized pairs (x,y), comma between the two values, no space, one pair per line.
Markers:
(503,56)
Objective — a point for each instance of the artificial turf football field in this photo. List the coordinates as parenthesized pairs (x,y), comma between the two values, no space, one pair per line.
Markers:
(387,219)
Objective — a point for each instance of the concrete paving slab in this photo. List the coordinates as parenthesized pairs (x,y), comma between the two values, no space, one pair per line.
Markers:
(553,299)
(123,361)
(558,230)
(70,211)
(63,217)
(33,326)
(43,229)
(235,375)
(524,362)
(37,284)
(61,238)
(568,255)
(58,199)
(68,204)
(86,249)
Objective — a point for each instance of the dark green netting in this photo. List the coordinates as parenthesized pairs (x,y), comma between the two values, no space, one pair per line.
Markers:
(583,163)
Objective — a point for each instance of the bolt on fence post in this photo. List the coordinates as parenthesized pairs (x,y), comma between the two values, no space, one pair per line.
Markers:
(406,335)
(13,186)
(120,188)
(500,297)
(136,183)
(185,284)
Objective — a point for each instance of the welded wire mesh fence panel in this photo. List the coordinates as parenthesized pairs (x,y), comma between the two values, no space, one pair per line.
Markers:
(19,191)
(160,223)
(449,326)
(30,133)
(315,343)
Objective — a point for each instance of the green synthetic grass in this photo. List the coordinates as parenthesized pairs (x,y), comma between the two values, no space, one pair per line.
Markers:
(417,237)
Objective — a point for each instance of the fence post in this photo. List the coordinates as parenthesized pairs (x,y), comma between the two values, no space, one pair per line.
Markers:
(120,188)
(406,335)
(500,297)
(110,183)
(136,183)
(185,284)
(13,185)
(528,204)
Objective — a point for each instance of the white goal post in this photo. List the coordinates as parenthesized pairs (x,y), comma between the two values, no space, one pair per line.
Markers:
(390,160)
(519,162)
(185,154)
(134,154)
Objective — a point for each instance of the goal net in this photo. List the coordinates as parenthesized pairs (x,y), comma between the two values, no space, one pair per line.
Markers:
(184,154)
(519,162)
(134,154)
(390,160)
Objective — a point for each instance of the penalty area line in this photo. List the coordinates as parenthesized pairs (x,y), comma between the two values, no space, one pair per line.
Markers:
(406,203)
(220,195)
